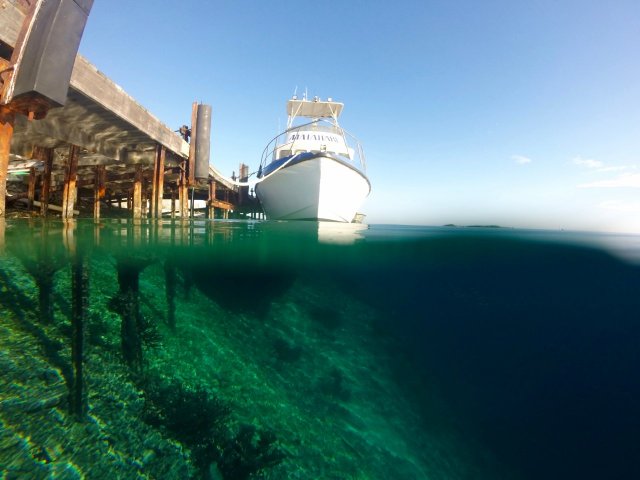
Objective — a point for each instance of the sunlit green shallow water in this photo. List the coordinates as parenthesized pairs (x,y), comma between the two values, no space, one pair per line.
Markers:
(280,350)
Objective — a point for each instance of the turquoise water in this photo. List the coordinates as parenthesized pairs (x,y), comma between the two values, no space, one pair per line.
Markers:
(278,350)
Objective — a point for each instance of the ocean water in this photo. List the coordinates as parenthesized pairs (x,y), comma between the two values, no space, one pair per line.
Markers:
(278,350)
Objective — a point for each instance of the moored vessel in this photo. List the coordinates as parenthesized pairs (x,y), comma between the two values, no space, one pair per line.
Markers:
(314,170)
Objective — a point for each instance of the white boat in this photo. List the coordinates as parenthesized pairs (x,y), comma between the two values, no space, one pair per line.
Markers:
(314,170)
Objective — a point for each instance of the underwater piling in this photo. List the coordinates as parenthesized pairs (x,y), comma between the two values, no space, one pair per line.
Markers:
(127,304)
(79,304)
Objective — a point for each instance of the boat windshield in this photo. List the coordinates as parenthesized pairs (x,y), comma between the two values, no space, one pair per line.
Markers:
(319,135)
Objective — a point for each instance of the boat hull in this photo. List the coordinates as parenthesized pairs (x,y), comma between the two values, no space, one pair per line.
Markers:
(319,188)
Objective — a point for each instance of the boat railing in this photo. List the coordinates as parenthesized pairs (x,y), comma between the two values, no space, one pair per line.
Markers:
(282,142)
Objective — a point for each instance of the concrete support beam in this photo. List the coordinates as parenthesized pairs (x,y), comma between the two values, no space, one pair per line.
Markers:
(70,180)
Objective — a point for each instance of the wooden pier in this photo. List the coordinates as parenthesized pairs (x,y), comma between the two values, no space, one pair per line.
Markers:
(101,150)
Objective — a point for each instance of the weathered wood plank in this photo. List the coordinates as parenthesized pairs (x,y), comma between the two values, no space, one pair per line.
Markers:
(94,84)
(222,204)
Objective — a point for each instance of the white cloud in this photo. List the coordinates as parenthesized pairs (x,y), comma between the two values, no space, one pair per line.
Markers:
(587,162)
(521,160)
(626,180)
(617,168)
(620,206)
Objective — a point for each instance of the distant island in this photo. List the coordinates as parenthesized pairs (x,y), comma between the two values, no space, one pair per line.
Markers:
(473,226)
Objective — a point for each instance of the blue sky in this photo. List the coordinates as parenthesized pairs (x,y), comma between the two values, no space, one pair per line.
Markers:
(518,113)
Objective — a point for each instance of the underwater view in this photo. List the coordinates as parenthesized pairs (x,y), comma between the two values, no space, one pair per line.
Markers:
(209,349)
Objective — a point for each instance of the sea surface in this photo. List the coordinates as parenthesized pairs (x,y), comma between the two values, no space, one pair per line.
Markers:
(277,350)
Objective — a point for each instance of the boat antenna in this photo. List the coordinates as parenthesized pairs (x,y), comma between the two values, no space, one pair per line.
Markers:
(305,93)
(295,93)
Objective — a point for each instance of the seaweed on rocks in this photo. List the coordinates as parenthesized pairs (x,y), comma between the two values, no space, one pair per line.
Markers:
(249,452)
(189,414)
(171,280)
(198,420)
(333,385)
(149,333)
(327,316)
(286,351)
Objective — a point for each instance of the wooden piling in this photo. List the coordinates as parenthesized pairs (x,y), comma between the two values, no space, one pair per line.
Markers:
(148,203)
(158,182)
(183,195)
(70,183)
(137,193)
(6,133)
(98,189)
(46,156)
(211,211)
(31,192)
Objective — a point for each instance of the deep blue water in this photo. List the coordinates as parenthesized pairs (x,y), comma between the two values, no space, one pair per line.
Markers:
(517,350)
(533,337)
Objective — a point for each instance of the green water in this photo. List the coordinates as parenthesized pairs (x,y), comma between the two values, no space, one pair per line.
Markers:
(301,350)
